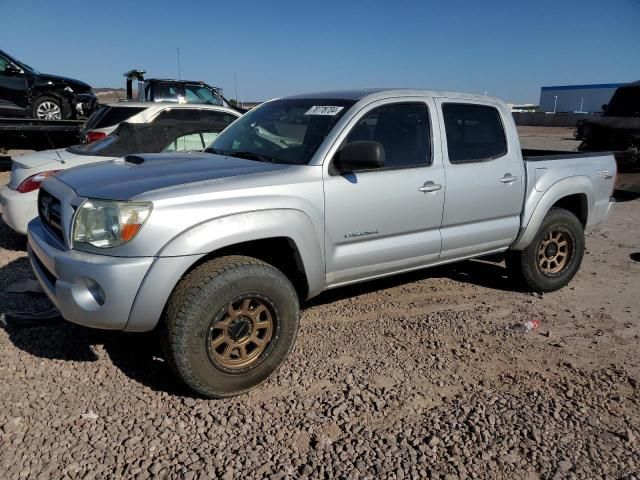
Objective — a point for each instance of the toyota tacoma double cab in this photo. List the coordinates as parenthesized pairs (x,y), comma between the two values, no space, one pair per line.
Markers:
(217,250)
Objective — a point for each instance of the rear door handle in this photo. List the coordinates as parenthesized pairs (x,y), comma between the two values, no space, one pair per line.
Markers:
(508,178)
(430,187)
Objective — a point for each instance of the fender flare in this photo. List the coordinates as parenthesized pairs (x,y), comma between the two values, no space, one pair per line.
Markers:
(536,208)
(188,247)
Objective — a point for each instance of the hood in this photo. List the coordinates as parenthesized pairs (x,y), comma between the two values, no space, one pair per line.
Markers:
(36,159)
(76,85)
(613,123)
(124,179)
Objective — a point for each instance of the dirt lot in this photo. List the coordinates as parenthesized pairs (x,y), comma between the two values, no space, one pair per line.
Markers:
(419,376)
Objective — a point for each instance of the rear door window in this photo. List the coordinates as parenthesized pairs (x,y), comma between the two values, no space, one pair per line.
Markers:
(110,116)
(166,92)
(474,132)
(191,142)
(219,120)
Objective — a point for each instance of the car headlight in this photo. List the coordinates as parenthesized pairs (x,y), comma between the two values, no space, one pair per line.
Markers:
(105,224)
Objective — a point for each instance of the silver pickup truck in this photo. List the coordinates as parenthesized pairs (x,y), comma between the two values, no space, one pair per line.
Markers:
(301,195)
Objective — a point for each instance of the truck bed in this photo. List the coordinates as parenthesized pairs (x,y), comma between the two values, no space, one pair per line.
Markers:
(31,134)
(531,155)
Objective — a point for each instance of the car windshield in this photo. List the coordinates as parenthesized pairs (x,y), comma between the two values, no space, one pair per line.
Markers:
(200,94)
(282,131)
(24,66)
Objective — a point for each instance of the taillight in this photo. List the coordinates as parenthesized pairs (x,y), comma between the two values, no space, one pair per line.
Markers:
(34,181)
(94,136)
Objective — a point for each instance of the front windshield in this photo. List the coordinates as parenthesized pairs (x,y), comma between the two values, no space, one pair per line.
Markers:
(24,66)
(283,131)
(200,94)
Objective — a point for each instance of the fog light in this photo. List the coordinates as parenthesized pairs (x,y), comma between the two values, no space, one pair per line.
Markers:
(88,294)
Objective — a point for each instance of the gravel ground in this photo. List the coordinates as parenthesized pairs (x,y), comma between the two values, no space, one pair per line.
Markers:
(418,376)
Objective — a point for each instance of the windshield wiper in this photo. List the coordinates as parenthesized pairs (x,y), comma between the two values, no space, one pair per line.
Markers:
(215,151)
(243,154)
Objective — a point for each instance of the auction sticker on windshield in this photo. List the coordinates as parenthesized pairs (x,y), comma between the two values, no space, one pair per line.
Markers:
(324,110)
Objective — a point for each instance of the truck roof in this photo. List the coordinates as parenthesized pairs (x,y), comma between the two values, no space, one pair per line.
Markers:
(375,93)
(159,105)
(173,80)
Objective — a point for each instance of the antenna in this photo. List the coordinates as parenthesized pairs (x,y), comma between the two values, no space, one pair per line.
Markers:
(53,146)
(179,73)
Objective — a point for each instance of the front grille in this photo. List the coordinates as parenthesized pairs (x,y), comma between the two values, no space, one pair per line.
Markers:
(50,213)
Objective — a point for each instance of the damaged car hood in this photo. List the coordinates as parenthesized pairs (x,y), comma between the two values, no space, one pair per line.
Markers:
(134,175)
(76,85)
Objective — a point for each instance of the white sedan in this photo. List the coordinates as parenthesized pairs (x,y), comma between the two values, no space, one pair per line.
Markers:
(19,197)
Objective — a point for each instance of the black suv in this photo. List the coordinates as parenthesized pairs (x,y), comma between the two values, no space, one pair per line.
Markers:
(618,129)
(25,92)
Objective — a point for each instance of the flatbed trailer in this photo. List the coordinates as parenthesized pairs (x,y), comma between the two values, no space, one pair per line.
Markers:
(31,134)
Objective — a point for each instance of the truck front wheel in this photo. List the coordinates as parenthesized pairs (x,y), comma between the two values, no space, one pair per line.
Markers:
(229,325)
(555,254)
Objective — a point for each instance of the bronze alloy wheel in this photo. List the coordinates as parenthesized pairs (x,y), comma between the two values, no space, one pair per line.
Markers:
(241,334)
(554,252)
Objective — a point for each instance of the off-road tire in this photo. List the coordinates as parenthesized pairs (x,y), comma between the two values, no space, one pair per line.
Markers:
(64,107)
(202,296)
(525,266)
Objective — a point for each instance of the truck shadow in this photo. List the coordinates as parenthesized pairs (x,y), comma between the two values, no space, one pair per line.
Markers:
(139,356)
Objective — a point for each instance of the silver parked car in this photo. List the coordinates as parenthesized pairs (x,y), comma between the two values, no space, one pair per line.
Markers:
(298,196)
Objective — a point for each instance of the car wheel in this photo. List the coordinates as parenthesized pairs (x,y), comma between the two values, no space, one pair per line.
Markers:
(50,108)
(555,254)
(229,325)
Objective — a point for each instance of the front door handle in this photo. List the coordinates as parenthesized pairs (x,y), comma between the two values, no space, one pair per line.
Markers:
(508,178)
(430,187)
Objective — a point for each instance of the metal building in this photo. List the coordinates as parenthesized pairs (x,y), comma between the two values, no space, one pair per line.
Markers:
(577,98)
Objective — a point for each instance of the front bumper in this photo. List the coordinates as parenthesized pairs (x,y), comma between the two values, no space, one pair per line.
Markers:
(92,290)
(18,209)
(101,291)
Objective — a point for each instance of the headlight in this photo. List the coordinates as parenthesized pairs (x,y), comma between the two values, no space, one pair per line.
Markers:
(105,224)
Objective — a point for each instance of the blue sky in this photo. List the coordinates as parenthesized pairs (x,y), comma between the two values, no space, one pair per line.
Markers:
(506,48)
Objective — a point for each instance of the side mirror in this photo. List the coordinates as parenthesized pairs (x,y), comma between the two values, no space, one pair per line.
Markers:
(360,155)
(11,70)
(604,107)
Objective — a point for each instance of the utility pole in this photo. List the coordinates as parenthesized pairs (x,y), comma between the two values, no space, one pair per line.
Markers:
(235,86)
(179,73)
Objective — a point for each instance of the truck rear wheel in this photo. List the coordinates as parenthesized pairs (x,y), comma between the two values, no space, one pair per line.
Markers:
(554,256)
(229,325)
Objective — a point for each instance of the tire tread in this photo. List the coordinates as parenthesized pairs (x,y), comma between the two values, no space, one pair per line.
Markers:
(180,308)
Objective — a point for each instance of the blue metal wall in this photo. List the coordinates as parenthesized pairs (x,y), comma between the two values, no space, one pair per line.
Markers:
(570,97)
